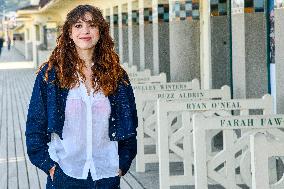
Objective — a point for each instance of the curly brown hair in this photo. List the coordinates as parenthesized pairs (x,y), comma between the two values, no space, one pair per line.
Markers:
(107,71)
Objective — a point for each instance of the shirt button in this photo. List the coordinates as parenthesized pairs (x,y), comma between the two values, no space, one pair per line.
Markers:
(112,119)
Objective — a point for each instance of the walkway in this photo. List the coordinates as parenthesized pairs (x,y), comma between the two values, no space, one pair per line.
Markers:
(13,59)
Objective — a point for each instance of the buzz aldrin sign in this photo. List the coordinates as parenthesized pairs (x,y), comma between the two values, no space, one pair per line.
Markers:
(181,92)
(176,95)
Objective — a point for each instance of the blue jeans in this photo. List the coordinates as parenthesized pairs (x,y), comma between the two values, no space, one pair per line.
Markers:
(63,181)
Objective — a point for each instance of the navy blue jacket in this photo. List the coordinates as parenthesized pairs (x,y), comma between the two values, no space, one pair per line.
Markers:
(46,115)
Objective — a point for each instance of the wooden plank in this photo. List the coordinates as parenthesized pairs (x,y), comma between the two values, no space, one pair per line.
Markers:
(2,91)
(124,184)
(12,163)
(20,143)
(1,97)
(26,89)
(131,181)
(22,117)
(42,178)
(3,142)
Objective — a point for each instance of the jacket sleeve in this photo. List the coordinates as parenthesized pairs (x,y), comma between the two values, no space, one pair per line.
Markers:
(128,147)
(36,127)
(127,152)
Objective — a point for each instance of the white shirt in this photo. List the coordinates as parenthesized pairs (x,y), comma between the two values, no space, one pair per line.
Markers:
(86,144)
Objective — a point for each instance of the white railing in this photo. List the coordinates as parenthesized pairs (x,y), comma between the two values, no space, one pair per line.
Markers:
(143,76)
(145,73)
(147,115)
(161,78)
(129,69)
(262,148)
(171,136)
(236,150)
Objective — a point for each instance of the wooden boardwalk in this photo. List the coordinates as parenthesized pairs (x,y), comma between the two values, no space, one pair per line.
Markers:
(15,168)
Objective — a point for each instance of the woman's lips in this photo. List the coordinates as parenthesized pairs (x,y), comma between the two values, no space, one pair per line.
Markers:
(86,38)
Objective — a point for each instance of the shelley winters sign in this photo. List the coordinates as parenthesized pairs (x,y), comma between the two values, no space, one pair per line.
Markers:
(159,87)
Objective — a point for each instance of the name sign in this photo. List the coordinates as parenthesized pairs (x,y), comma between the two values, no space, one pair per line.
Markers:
(230,105)
(161,86)
(253,122)
(179,95)
(140,79)
(145,73)
(132,75)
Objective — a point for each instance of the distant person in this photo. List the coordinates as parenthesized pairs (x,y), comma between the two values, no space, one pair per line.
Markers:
(82,118)
(1,44)
(9,43)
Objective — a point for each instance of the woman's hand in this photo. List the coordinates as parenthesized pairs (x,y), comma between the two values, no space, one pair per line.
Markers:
(51,172)
(119,173)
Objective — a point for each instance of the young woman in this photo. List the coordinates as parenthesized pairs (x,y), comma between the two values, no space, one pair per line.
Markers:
(82,118)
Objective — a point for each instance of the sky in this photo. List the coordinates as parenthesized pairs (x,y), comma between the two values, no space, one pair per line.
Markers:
(12,5)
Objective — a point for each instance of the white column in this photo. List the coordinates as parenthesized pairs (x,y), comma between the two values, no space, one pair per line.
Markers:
(141,35)
(238,51)
(111,21)
(155,37)
(279,59)
(27,40)
(34,45)
(205,45)
(41,29)
(120,36)
(130,40)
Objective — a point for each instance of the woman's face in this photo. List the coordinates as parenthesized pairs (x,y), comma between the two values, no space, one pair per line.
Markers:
(85,34)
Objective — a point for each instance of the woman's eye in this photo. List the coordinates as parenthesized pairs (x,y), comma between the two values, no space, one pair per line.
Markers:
(93,25)
(78,26)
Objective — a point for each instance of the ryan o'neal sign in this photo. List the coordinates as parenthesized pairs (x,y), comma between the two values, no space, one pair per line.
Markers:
(258,122)
(216,104)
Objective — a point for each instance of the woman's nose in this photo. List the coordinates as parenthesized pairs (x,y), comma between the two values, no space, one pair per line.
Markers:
(86,29)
